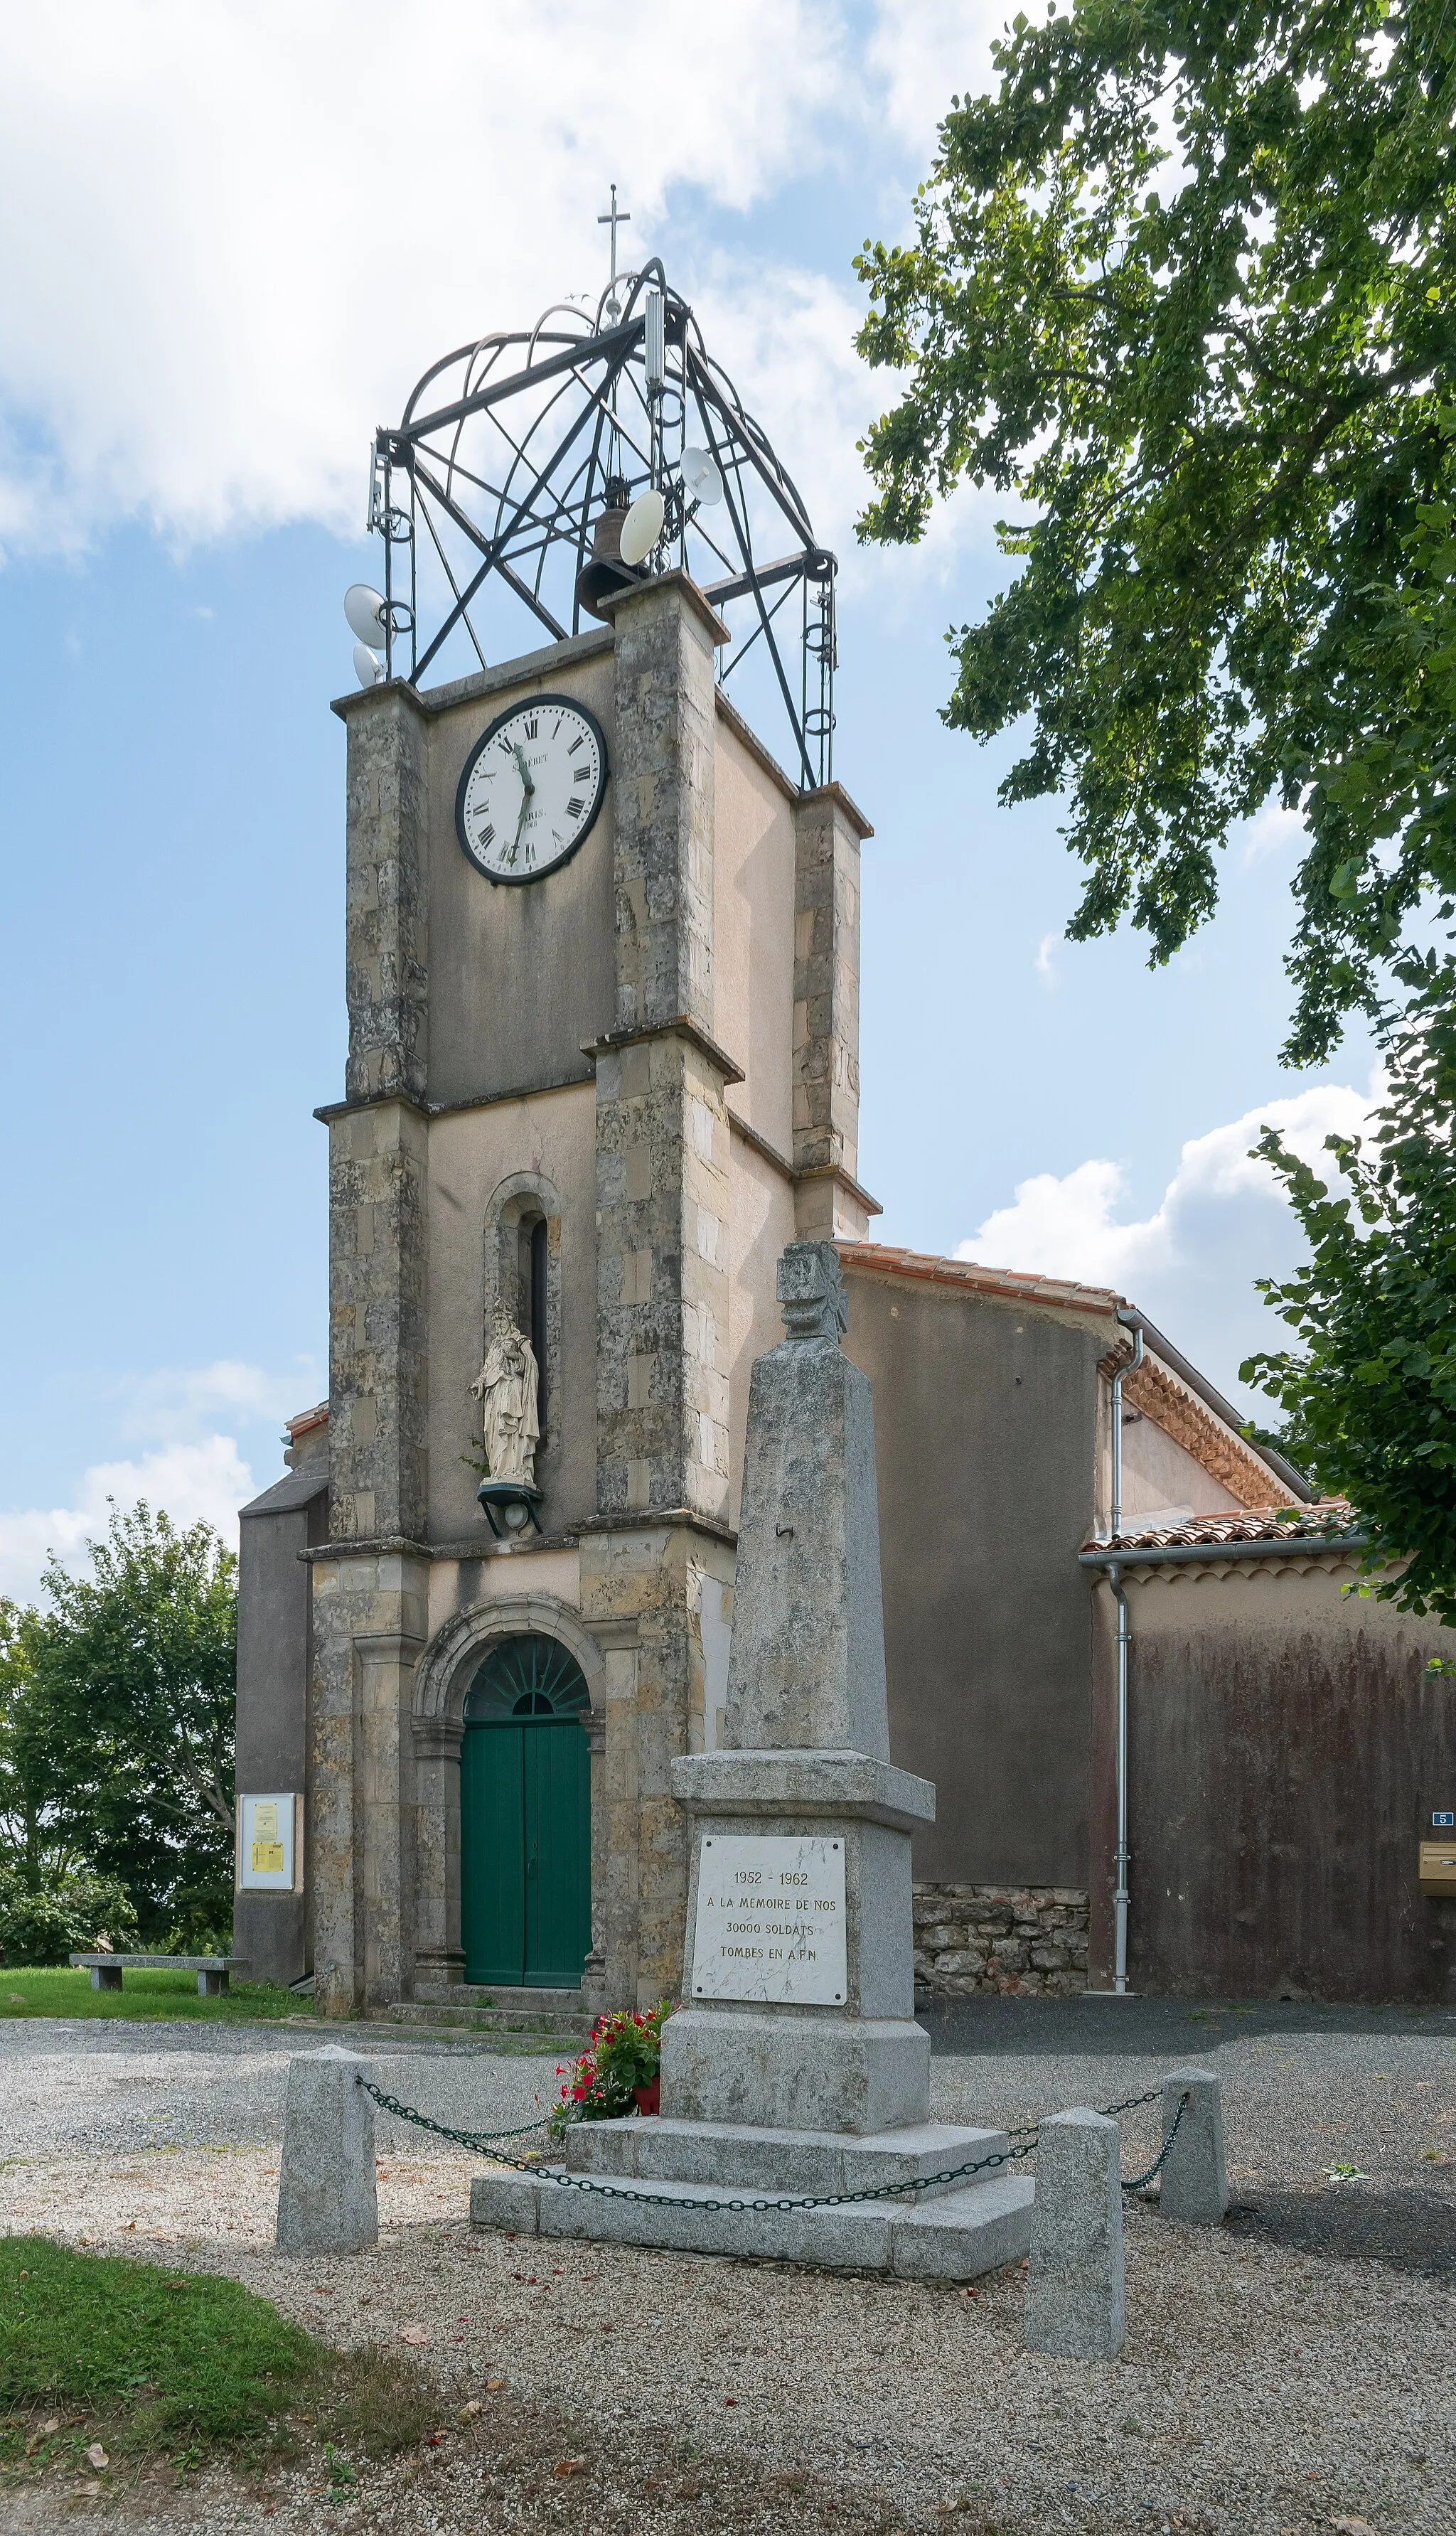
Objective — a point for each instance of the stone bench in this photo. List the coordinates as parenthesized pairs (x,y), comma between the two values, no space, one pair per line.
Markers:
(213,1971)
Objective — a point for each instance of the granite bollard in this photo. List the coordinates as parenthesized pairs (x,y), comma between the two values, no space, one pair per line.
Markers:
(1195,2183)
(326,2199)
(1074,2304)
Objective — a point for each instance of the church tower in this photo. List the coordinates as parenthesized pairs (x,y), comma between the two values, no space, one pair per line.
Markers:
(602,961)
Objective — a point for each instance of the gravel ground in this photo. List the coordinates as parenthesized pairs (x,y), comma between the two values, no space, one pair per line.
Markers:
(83,2084)
(1287,2371)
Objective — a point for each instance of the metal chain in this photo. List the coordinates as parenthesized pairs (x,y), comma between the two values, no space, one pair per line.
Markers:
(799,2201)
(467,2140)
(1134,2184)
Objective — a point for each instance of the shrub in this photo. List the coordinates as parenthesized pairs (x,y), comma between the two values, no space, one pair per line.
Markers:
(41,1924)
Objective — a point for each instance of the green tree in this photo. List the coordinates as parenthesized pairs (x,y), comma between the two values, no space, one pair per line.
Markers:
(25,1780)
(133,1672)
(1370,1394)
(1187,286)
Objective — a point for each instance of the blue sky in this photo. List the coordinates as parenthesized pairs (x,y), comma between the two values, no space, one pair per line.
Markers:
(241,243)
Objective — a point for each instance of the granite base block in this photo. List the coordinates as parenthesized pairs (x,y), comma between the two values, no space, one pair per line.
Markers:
(954,2236)
(734,2156)
(778,2071)
(960,2235)
(507,2202)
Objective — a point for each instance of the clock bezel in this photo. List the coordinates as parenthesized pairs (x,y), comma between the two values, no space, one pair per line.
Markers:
(523,704)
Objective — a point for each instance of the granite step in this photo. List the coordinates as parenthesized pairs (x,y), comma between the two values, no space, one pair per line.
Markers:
(961,2234)
(740,2157)
(557,2017)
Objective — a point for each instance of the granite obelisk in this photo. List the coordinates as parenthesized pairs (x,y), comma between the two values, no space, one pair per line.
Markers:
(798,1987)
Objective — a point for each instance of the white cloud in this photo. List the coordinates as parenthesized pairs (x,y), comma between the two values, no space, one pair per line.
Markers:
(1045,956)
(239,234)
(206,1481)
(184,1464)
(1191,1264)
(925,52)
(1068,1227)
(1274,829)
(180,1402)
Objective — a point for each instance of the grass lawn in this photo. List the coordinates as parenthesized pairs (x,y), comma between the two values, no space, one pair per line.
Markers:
(108,2365)
(66,1991)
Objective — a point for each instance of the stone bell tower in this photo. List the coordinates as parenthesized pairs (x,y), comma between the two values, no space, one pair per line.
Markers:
(607,1100)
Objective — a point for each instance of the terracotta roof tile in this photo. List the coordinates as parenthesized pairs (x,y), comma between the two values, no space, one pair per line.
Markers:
(883,1258)
(1328,1521)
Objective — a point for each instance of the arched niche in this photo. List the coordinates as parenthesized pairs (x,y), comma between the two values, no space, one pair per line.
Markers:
(523,1271)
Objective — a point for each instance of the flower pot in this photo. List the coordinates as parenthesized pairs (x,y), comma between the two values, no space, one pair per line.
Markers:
(649,2099)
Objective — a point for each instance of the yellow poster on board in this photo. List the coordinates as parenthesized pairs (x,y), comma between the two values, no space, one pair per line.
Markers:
(266,1849)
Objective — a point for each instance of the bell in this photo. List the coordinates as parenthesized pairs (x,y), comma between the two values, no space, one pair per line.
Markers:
(604,573)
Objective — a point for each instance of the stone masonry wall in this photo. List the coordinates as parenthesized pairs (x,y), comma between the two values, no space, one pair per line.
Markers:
(1000,1938)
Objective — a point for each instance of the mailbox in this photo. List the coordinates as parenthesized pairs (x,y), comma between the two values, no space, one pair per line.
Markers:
(1438,1867)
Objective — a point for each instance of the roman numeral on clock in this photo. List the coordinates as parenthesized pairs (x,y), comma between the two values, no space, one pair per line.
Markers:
(574,809)
(485,838)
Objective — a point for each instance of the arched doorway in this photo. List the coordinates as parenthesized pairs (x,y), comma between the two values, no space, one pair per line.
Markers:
(526,1819)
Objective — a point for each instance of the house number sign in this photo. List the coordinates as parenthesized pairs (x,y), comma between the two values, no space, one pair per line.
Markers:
(771,1920)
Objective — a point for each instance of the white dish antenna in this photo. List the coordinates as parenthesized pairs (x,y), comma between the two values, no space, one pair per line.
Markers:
(367,668)
(702,477)
(642,527)
(364,610)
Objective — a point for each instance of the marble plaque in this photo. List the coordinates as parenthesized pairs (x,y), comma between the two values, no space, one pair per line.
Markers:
(771,1920)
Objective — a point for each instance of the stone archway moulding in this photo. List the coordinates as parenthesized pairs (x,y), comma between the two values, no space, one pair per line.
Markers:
(455,1653)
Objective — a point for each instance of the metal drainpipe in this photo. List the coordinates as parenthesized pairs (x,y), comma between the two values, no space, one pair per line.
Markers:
(1121,1897)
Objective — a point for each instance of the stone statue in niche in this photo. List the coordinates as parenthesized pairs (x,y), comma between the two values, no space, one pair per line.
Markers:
(506,1386)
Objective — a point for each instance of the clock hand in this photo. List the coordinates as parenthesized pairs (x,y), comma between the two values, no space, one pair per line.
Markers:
(528,787)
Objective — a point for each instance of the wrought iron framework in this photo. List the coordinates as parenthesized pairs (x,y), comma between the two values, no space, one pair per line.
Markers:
(512,448)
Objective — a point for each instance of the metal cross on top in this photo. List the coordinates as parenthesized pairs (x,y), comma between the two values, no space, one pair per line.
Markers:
(613,221)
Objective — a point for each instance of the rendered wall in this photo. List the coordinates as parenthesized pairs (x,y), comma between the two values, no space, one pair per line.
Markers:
(519,979)
(549,1138)
(1159,1471)
(1286,1747)
(985,1419)
(753,893)
(273,1929)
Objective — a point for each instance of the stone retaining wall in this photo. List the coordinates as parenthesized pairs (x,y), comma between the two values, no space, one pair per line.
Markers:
(1000,1938)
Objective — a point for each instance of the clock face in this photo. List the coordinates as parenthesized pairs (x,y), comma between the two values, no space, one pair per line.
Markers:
(531,789)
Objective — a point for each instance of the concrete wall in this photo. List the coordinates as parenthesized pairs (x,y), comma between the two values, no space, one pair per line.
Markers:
(1287,1749)
(985,1420)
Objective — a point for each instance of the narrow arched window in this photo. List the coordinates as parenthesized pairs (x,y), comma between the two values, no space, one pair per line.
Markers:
(537,1283)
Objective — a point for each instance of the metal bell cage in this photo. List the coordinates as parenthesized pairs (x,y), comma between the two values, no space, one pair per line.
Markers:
(520,456)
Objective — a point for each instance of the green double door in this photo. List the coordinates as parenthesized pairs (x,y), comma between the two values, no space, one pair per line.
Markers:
(526,1873)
